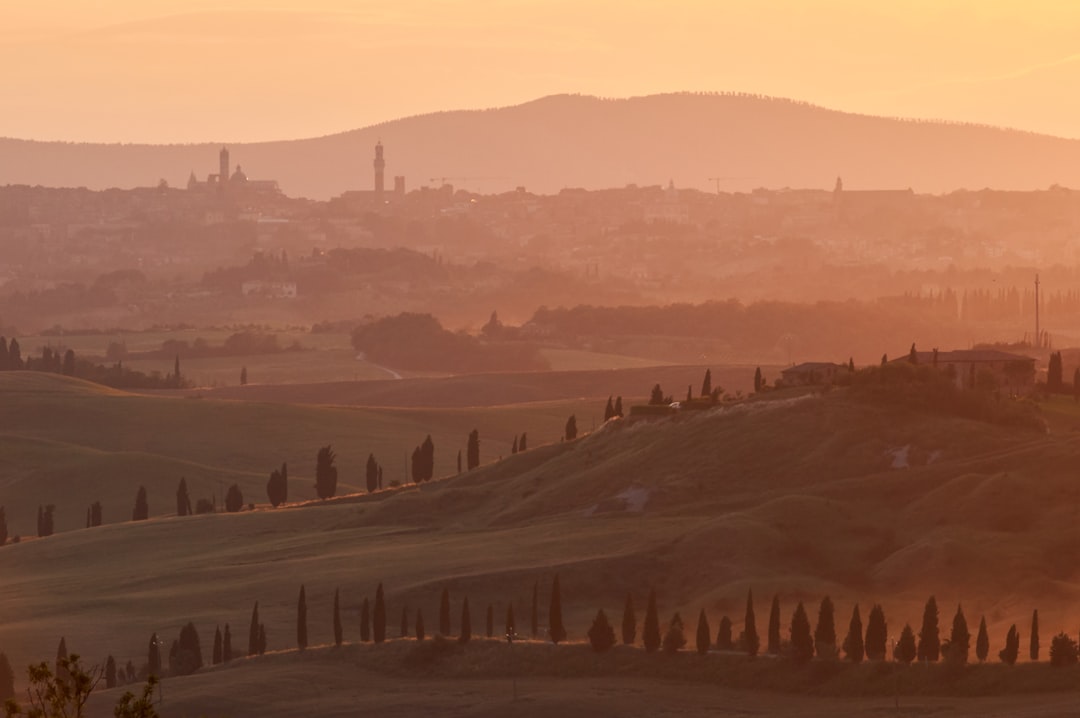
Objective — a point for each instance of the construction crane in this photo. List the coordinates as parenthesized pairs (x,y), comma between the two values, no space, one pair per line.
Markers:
(717,180)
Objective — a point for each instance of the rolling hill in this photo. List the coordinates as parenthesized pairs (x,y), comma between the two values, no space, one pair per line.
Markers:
(577,141)
(798,496)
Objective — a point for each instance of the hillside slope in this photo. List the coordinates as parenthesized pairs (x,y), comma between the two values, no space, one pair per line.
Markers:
(800,497)
(574,141)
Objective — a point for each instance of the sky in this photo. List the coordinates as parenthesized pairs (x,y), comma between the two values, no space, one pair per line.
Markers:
(164,71)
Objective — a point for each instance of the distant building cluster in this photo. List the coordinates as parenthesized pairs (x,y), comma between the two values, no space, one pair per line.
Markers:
(236,183)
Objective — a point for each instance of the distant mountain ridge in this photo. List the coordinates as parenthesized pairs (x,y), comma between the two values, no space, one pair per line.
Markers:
(579,141)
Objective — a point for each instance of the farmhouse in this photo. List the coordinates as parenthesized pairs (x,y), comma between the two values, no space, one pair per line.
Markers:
(968,368)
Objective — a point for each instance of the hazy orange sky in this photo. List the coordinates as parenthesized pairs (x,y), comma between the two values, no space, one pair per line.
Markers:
(188,70)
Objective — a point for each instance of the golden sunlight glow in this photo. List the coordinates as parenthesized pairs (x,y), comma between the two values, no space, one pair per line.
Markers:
(172,70)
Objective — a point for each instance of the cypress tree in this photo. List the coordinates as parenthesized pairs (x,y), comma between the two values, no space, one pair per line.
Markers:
(674,639)
(153,657)
(1033,650)
(371,473)
(651,630)
(960,638)
(378,618)
(723,635)
(571,428)
(906,651)
(216,656)
(404,621)
(142,510)
(325,472)
(706,384)
(1011,651)
(757,380)
(301,619)
(877,632)
(110,675)
(444,613)
(338,633)
(534,614)
(704,636)
(62,653)
(609,409)
(802,643)
(774,626)
(750,636)
(226,645)
(853,643)
(365,621)
(510,627)
(472,451)
(490,621)
(419,625)
(629,621)
(555,622)
(982,643)
(618,406)
(514,448)
(929,648)
(601,634)
(253,633)
(466,622)
(825,632)
(183,500)
(523,444)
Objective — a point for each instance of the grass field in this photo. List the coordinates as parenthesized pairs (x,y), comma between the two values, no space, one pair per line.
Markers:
(799,496)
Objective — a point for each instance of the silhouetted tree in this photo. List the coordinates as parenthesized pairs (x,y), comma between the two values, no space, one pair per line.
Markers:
(419,625)
(982,642)
(371,473)
(68,368)
(1033,649)
(774,626)
(427,459)
(176,371)
(1054,378)
(404,621)
(757,380)
(95,514)
(472,451)
(629,621)
(750,635)
(226,645)
(110,675)
(825,631)
(365,621)
(444,613)
(183,501)
(802,643)
(325,473)
(301,619)
(243,376)
(514,448)
(706,384)
(153,656)
(905,650)
(459,461)
(534,614)
(723,635)
(651,630)
(704,634)
(601,634)
(466,622)
(1062,650)
(234,499)
(14,355)
(61,656)
(618,406)
(571,428)
(929,640)
(959,638)
(277,488)
(490,621)
(216,656)
(656,397)
(1011,651)
(378,618)
(555,620)
(675,637)
(523,444)
(253,633)
(877,632)
(853,643)
(851,364)
(913,356)
(609,409)
(45,520)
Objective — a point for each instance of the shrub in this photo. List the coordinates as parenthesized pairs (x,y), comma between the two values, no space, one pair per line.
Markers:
(204,506)
(1062,650)
(234,500)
